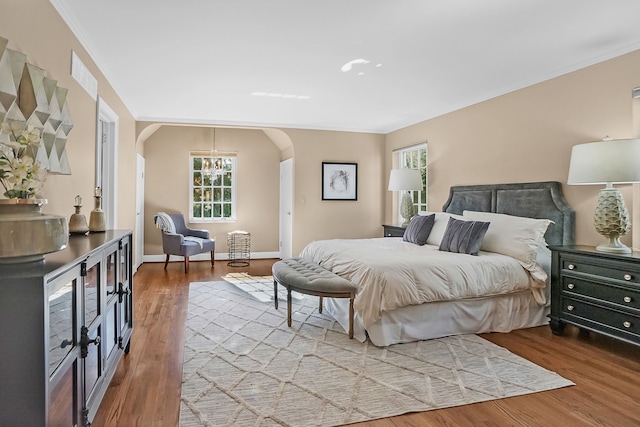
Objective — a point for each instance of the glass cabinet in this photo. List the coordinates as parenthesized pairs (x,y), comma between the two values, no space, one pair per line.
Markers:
(69,320)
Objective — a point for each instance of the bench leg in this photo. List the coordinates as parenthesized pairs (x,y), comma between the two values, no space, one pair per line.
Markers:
(166,261)
(320,305)
(351,317)
(289,306)
(275,293)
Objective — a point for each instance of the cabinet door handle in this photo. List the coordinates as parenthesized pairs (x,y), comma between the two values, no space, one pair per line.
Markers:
(570,307)
(627,277)
(571,267)
(626,324)
(571,286)
(626,299)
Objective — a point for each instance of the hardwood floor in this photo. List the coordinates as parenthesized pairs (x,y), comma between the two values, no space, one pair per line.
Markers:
(146,388)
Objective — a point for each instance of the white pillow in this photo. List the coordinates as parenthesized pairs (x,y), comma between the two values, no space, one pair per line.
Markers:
(439,226)
(514,236)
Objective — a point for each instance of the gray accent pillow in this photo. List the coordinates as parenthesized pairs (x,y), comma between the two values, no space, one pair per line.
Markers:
(418,229)
(464,237)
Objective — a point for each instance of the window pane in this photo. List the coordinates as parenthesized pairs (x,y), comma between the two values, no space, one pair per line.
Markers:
(207,180)
(227,210)
(217,210)
(207,195)
(227,194)
(207,210)
(216,195)
(197,163)
(197,194)
(227,179)
(197,210)
(197,178)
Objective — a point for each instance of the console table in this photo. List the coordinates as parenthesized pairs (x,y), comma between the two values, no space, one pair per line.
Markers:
(65,323)
(596,291)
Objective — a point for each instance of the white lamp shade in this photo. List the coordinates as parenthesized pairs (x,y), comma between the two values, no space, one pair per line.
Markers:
(405,179)
(614,162)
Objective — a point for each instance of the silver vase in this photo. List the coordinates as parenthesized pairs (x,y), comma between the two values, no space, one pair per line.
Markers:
(26,233)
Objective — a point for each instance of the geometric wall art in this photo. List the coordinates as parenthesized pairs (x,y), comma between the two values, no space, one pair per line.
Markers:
(30,98)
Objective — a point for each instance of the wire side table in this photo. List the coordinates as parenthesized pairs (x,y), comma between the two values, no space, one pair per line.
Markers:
(239,244)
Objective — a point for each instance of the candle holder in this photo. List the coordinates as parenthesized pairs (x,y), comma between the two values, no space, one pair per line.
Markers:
(96,219)
(77,221)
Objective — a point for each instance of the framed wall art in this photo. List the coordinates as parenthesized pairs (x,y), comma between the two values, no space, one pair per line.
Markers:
(339,181)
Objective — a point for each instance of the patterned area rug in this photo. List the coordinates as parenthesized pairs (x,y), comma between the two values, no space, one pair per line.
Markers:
(259,287)
(244,367)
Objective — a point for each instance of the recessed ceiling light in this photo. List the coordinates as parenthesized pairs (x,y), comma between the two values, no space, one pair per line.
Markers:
(280,95)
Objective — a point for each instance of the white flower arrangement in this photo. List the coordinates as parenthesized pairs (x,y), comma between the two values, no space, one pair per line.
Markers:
(20,175)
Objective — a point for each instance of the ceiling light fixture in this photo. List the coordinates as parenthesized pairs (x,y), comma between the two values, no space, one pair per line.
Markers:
(212,166)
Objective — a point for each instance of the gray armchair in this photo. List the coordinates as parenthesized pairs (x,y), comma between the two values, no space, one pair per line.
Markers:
(184,241)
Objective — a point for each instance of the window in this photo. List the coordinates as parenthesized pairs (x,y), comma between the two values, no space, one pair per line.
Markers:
(415,157)
(213,196)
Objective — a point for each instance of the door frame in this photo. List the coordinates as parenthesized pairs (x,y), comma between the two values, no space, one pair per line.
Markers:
(107,141)
(286,209)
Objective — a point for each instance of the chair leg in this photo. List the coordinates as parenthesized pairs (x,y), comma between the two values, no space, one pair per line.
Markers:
(320,305)
(186,264)
(212,256)
(166,262)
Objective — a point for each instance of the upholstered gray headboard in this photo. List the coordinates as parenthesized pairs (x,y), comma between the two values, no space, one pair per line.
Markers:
(530,199)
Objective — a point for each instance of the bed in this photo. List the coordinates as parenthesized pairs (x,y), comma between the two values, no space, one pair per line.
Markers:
(409,292)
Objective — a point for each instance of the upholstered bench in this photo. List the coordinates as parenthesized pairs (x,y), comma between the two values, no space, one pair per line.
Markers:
(306,277)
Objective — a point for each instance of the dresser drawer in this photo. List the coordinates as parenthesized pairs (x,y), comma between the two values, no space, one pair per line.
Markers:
(624,297)
(600,315)
(626,272)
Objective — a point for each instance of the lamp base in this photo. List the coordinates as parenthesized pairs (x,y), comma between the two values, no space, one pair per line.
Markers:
(407,210)
(611,219)
(614,246)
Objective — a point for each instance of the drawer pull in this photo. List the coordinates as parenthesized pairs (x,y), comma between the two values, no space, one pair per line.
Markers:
(571,267)
(626,299)
(626,324)
(570,307)
(571,286)
(627,277)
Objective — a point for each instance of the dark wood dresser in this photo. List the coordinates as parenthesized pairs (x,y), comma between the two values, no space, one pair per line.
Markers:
(596,291)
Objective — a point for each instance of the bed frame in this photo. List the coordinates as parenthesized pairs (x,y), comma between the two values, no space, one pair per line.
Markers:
(530,199)
(502,313)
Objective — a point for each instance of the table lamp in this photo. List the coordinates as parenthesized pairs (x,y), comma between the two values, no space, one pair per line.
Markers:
(608,162)
(405,180)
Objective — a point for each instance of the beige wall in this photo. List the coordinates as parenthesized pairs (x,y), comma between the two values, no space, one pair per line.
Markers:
(167,182)
(167,149)
(34,28)
(527,135)
(314,218)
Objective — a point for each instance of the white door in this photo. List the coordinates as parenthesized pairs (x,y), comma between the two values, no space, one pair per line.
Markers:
(139,239)
(286,208)
(107,161)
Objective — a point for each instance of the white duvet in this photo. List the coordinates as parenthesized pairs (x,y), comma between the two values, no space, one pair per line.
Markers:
(391,273)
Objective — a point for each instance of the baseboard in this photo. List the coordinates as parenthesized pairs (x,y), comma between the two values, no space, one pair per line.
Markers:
(207,257)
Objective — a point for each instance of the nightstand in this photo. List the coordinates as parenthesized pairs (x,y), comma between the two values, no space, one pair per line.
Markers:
(393,230)
(596,291)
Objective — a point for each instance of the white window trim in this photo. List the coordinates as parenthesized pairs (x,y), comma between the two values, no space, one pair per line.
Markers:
(401,153)
(234,188)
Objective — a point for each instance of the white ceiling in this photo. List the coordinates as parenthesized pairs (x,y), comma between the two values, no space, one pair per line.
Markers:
(200,61)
